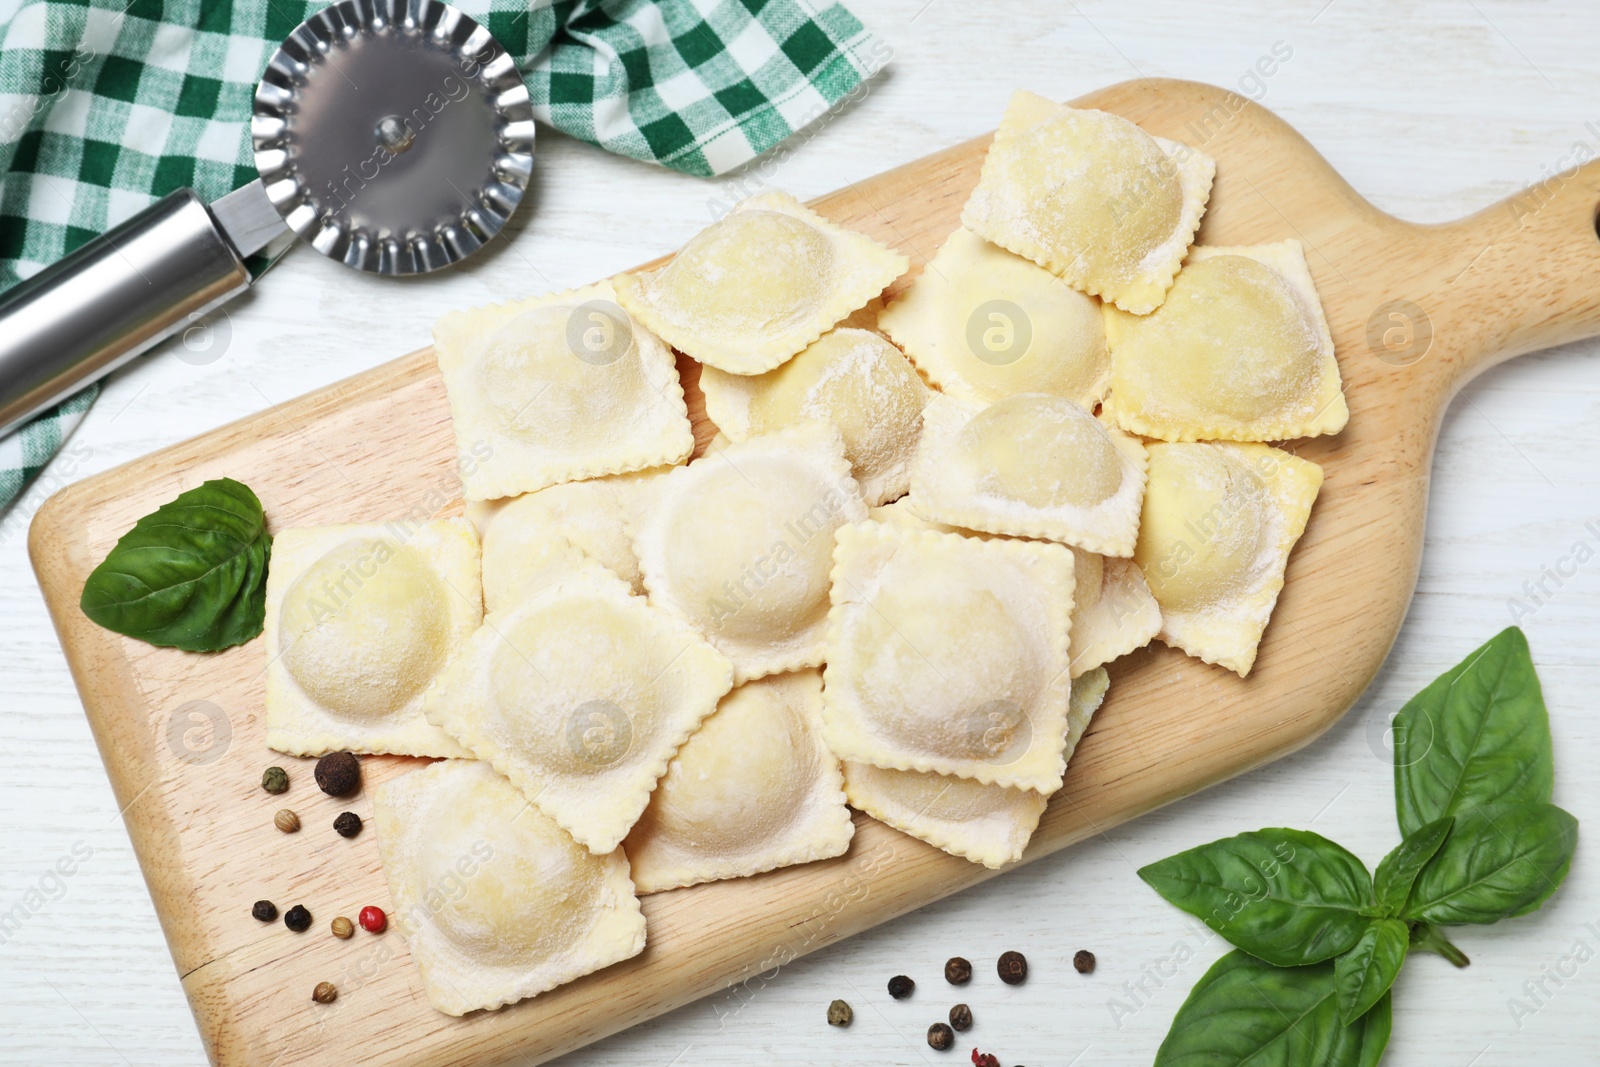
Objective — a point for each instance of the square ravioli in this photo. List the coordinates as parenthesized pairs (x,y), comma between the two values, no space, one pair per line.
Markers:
(1031,465)
(1113,611)
(949,654)
(580,694)
(1092,198)
(495,901)
(852,378)
(359,620)
(557,388)
(599,516)
(1239,351)
(741,542)
(758,285)
(984,324)
(1220,520)
(753,789)
(987,824)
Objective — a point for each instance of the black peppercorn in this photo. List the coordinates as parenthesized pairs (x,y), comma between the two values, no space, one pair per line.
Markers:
(265,910)
(957,971)
(1013,967)
(338,774)
(940,1037)
(348,824)
(297,919)
(839,1014)
(1083,961)
(275,780)
(961,1017)
(900,987)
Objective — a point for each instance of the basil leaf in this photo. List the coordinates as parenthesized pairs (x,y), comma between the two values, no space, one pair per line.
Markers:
(192,574)
(1366,972)
(1398,870)
(1495,865)
(1245,1010)
(1375,1028)
(1289,897)
(1478,735)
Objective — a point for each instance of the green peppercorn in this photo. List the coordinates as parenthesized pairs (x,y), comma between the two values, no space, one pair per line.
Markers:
(961,1018)
(297,919)
(839,1014)
(940,1038)
(275,780)
(1013,968)
(900,987)
(347,824)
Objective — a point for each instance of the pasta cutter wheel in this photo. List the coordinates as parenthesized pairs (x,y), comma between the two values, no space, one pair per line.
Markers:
(394,136)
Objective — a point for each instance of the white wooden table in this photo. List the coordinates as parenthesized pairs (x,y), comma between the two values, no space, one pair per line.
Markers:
(1430,109)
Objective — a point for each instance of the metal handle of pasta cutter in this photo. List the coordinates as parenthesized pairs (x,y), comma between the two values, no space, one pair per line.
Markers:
(111,299)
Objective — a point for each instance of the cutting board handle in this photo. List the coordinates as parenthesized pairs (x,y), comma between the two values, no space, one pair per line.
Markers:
(1519,276)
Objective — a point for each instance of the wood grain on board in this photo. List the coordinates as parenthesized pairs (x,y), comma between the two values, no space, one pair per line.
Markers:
(1415,311)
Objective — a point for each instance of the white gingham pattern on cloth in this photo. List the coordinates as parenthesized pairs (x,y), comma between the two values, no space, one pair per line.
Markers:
(104,108)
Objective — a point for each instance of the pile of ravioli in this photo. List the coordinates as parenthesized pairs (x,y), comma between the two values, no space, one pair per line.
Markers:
(891,582)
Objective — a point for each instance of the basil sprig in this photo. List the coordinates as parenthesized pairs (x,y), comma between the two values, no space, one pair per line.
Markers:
(1319,941)
(192,574)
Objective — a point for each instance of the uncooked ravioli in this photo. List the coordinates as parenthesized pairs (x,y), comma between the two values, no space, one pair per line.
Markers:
(1239,351)
(496,902)
(359,621)
(849,377)
(753,789)
(758,285)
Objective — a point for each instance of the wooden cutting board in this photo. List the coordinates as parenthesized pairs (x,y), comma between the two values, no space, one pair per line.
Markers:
(1415,312)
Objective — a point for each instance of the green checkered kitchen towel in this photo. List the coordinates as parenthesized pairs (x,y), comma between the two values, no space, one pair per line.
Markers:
(105,107)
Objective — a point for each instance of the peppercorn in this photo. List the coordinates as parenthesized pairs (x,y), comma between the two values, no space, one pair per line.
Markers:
(347,824)
(984,1059)
(1083,961)
(338,774)
(275,780)
(961,1017)
(325,993)
(1013,968)
(342,928)
(940,1038)
(957,971)
(373,920)
(287,821)
(839,1014)
(900,987)
(297,919)
(265,910)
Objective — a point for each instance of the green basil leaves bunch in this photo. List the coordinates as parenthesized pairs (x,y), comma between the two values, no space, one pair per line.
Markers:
(1319,940)
(192,574)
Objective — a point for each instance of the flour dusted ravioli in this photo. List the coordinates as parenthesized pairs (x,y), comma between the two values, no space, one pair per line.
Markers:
(849,377)
(496,902)
(1240,351)
(949,654)
(598,516)
(580,693)
(753,789)
(1092,198)
(557,388)
(1031,465)
(987,824)
(359,620)
(741,543)
(984,324)
(1219,522)
(760,284)
(1113,611)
